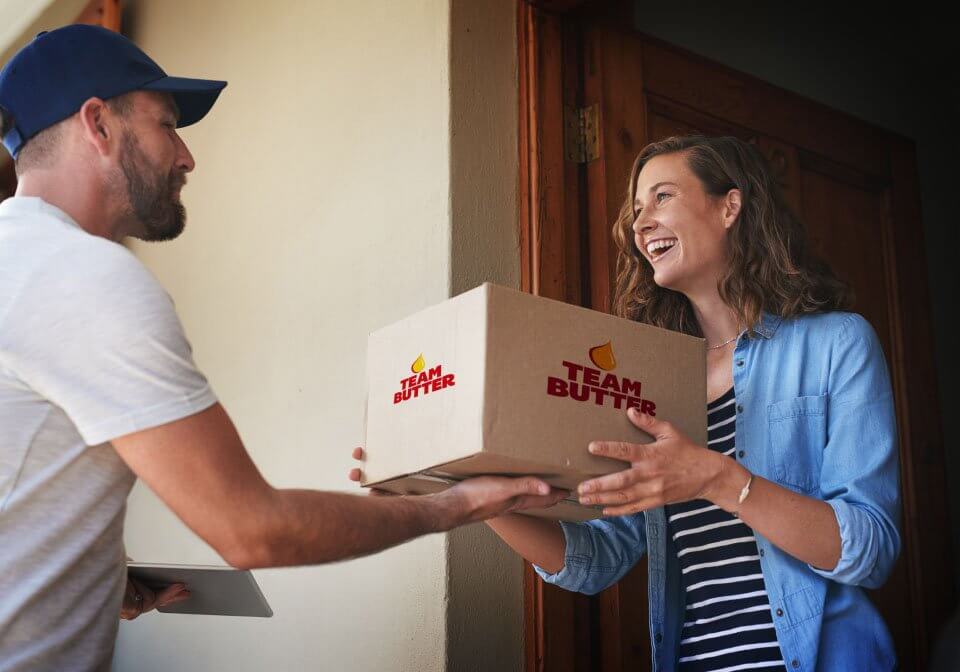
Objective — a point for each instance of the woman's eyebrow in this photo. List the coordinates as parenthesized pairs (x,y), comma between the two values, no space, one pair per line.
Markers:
(660,184)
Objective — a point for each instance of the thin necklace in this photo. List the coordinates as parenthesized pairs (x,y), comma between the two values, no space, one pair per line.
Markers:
(720,345)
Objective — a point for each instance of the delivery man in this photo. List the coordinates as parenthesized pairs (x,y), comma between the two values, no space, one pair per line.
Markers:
(97,382)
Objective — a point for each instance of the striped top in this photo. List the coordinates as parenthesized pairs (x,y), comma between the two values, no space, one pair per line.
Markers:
(727,624)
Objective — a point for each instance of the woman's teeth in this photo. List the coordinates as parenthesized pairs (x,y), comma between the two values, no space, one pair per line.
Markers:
(656,248)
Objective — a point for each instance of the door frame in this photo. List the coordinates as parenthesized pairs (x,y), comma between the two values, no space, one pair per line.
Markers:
(554,247)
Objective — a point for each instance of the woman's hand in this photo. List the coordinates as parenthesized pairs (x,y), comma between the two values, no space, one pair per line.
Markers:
(671,469)
(356,475)
(139,599)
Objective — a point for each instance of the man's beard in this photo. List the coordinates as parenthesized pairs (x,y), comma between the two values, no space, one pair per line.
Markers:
(157,215)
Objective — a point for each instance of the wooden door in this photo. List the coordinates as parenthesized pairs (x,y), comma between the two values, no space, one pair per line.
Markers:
(855,188)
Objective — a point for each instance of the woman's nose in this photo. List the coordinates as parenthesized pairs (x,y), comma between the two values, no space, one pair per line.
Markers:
(643,224)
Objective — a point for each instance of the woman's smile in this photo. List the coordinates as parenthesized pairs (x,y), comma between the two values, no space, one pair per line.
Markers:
(659,248)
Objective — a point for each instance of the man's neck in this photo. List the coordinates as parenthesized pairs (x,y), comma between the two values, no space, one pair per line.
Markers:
(88,206)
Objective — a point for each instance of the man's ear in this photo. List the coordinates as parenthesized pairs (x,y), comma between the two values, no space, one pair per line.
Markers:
(100,127)
(731,207)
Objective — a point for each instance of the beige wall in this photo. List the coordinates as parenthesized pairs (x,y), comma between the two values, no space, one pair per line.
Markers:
(319,210)
(21,20)
(485,605)
(360,165)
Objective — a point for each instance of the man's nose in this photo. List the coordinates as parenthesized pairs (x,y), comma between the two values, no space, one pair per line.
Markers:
(185,160)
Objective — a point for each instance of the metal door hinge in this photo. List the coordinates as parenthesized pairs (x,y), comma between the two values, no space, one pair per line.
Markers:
(581,133)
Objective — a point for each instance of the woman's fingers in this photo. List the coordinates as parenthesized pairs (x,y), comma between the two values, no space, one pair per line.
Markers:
(658,429)
(356,474)
(633,507)
(624,497)
(618,450)
(615,481)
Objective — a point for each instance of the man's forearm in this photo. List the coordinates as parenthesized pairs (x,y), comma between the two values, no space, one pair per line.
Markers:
(304,527)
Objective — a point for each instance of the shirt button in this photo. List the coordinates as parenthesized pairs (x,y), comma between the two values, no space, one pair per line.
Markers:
(795,662)
(739,408)
(779,612)
(741,453)
(739,362)
(658,638)
(761,552)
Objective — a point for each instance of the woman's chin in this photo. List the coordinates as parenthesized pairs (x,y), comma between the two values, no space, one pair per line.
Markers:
(667,280)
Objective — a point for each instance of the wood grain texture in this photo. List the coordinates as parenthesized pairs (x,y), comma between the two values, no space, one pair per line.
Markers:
(855,188)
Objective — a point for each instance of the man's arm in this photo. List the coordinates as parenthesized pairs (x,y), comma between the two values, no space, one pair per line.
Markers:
(200,469)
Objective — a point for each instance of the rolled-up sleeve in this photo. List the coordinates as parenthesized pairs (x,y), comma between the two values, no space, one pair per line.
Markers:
(860,471)
(599,553)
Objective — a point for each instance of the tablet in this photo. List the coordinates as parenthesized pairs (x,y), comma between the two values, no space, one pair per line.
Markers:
(217,591)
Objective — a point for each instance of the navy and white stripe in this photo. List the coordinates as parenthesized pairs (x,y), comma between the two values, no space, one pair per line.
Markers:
(727,624)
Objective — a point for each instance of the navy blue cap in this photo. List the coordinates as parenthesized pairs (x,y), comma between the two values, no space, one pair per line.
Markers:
(50,79)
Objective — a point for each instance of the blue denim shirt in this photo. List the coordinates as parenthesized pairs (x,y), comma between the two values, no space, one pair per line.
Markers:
(815,415)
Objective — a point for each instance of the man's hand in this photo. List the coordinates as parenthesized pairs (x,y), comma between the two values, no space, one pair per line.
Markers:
(139,599)
(485,497)
(481,498)
(198,464)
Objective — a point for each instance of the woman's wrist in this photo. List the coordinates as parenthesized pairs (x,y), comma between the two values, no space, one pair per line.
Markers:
(727,484)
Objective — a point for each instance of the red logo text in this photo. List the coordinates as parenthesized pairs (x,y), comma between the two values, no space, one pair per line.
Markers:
(423,383)
(586,384)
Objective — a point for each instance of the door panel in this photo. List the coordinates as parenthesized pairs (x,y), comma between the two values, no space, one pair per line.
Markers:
(854,188)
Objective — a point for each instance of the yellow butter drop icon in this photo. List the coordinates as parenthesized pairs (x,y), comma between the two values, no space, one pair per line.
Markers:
(602,356)
(418,364)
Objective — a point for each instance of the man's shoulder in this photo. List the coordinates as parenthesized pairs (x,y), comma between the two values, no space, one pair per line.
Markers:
(75,257)
(70,271)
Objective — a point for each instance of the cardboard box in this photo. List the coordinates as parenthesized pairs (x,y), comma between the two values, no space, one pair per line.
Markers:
(496,381)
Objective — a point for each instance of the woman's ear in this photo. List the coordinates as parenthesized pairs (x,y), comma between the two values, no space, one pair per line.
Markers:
(731,207)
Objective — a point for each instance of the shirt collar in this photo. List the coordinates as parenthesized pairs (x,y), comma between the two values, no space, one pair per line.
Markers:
(32,205)
(767,324)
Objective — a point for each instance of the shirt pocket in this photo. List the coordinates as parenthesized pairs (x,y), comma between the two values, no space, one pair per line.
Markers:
(798,434)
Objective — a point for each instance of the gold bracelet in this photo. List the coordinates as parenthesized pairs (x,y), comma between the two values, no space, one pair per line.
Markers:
(746,490)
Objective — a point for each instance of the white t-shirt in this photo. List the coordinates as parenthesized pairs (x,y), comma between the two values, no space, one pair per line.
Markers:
(90,349)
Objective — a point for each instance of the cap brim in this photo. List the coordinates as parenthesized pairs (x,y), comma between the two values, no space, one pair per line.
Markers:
(194,97)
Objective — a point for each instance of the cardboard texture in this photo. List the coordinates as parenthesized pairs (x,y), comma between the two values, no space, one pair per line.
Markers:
(500,382)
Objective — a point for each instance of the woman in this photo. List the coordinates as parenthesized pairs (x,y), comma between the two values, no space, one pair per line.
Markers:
(761,542)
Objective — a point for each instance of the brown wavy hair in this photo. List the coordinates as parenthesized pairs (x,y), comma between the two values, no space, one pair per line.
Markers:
(771,266)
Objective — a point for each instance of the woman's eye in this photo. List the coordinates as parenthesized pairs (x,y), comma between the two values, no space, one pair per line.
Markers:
(662,195)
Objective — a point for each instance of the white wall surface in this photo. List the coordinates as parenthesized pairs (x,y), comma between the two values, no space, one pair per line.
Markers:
(319,210)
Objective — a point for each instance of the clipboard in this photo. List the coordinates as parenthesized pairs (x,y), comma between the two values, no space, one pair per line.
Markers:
(214,590)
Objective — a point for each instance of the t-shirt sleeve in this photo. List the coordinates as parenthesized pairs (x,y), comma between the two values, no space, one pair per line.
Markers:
(93,332)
